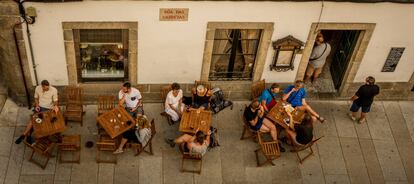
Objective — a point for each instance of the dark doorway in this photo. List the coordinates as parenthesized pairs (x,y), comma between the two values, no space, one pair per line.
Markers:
(342,43)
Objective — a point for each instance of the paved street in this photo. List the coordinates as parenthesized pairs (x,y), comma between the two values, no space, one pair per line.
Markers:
(380,151)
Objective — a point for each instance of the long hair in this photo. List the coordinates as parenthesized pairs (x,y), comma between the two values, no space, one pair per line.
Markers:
(307,120)
(200,136)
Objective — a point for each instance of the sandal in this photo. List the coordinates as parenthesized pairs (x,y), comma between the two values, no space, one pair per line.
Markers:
(321,119)
(362,121)
(118,151)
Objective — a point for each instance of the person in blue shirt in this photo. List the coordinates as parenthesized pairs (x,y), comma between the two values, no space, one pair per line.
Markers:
(295,95)
(268,97)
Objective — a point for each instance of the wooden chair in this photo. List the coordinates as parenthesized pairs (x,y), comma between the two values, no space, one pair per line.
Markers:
(105,144)
(72,144)
(298,148)
(247,130)
(164,92)
(43,148)
(138,146)
(74,104)
(105,103)
(190,156)
(269,149)
(206,84)
(257,89)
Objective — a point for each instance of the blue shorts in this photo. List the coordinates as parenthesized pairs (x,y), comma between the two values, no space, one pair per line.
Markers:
(205,105)
(355,107)
(258,125)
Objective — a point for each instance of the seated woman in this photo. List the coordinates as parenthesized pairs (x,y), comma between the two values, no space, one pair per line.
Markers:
(196,144)
(201,97)
(174,102)
(254,114)
(141,134)
(301,133)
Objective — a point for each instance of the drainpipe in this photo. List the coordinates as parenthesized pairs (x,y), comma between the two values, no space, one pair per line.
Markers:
(21,63)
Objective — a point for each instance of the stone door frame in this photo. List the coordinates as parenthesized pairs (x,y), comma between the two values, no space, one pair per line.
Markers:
(68,28)
(263,47)
(366,29)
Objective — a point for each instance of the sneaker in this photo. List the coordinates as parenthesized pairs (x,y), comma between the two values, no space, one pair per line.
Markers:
(352,117)
(20,139)
(170,142)
(362,120)
(118,151)
(282,149)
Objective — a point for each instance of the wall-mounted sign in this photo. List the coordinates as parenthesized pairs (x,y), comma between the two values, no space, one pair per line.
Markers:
(393,59)
(173,14)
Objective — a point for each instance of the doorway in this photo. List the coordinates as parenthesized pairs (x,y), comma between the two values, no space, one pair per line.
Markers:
(342,44)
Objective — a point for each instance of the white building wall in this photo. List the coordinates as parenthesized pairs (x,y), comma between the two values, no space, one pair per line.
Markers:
(173,51)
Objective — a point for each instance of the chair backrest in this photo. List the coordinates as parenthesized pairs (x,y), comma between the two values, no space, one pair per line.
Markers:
(105,143)
(74,94)
(164,92)
(206,84)
(257,88)
(105,103)
(269,148)
(153,131)
(43,146)
(188,155)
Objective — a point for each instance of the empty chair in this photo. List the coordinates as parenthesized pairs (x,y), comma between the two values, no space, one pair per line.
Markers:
(107,145)
(71,144)
(42,150)
(269,149)
(74,104)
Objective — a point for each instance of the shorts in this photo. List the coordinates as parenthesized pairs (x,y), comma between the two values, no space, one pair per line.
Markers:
(130,135)
(205,105)
(311,70)
(258,125)
(355,107)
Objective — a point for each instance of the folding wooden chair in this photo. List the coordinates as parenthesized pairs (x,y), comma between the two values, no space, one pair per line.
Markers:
(257,89)
(42,148)
(72,144)
(164,92)
(299,147)
(105,144)
(74,104)
(138,146)
(269,149)
(190,156)
(247,130)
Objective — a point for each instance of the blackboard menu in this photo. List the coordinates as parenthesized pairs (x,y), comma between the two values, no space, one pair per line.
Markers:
(393,59)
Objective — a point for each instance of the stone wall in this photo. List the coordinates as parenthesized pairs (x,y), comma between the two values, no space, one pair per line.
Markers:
(11,72)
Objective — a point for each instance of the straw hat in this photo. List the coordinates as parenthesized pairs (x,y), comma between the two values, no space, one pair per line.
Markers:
(200,88)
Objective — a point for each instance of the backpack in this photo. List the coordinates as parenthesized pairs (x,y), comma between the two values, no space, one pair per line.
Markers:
(218,102)
(213,138)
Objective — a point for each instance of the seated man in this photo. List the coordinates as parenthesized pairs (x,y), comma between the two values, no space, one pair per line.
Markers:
(268,97)
(131,97)
(201,97)
(46,99)
(196,144)
(300,133)
(295,95)
(141,134)
(174,102)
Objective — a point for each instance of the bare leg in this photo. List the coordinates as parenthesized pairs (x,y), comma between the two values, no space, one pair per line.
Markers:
(363,117)
(354,114)
(123,142)
(271,127)
(184,138)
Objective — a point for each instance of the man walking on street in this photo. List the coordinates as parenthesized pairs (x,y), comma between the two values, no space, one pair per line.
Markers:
(363,99)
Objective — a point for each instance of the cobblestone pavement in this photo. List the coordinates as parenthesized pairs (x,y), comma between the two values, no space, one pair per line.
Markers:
(380,151)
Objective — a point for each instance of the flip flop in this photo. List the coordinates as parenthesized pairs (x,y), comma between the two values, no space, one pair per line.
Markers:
(321,119)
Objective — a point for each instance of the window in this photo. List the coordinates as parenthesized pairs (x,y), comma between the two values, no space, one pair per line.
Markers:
(101,54)
(234,54)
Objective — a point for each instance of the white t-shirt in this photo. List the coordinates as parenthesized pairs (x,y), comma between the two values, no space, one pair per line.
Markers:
(171,99)
(131,98)
(46,98)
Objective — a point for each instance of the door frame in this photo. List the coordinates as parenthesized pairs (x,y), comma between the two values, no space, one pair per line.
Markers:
(366,29)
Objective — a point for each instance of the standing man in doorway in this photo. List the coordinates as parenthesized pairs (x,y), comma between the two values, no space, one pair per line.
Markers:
(317,59)
(363,99)
(131,97)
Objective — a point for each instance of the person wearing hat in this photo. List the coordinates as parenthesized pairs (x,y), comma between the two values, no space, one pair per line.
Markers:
(201,97)
(141,134)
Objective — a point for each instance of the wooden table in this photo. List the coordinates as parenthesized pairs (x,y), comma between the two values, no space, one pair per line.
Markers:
(114,121)
(278,115)
(46,127)
(195,119)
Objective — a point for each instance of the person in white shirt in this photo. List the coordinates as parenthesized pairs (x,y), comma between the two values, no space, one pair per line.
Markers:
(174,105)
(46,99)
(130,98)
(317,60)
